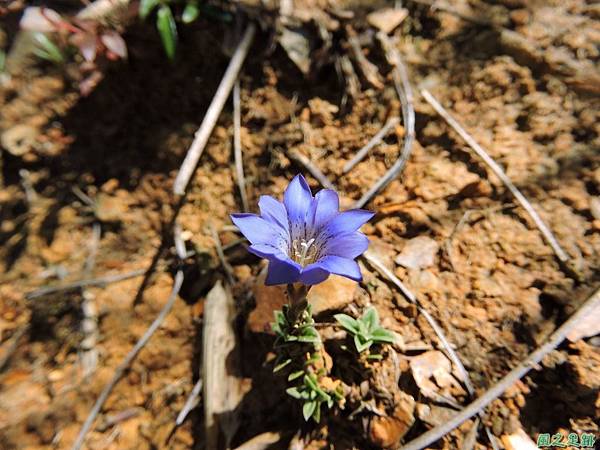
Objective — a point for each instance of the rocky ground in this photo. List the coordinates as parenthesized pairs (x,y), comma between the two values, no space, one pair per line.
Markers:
(522,77)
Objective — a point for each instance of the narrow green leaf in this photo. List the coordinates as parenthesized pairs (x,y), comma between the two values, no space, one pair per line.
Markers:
(146,7)
(295,375)
(375,356)
(165,24)
(46,49)
(317,413)
(280,366)
(349,323)
(190,13)
(311,382)
(308,409)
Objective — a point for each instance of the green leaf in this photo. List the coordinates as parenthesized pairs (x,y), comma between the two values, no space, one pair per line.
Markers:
(349,323)
(362,327)
(280,366)
(294,392)
(383,335)
(317,413)
(361,343)
(309,335)
(165,24)
(295,375)
(190,13)
(2,60)
(146,7)
(308,409)
(46,49)
(375,356)
(371,319)
(312,383)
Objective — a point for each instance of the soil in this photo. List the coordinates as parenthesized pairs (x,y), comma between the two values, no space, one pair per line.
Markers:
(524,85)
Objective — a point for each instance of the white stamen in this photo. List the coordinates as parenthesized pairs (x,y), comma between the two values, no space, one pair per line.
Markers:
(303,254)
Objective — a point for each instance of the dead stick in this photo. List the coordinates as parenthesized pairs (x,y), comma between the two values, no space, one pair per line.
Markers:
(190,403)
(122,368)
(237,145)
(302,160)
(226,266)
(392,122)
(560,253)
(214,110)
(89,322)
(12,345)
(589,307)
(404,90)
(100,281)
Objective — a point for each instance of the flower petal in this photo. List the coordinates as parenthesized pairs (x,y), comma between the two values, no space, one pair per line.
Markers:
(297,199)
(347,245)
(282,272)
(324,207)
(313,274)
(273,211)
(266,251)
(256,229)
(341,266)
(347,222)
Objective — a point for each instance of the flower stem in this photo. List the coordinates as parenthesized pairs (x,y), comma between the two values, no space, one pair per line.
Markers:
(297,303)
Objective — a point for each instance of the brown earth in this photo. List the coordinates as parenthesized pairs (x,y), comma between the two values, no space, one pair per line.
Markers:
(530,98)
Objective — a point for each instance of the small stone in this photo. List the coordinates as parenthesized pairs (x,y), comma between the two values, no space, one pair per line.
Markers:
(333,294)
(388,431)
(387,19)
(418,253)
(19,139)
(518,440)
(520,16)
(434,415)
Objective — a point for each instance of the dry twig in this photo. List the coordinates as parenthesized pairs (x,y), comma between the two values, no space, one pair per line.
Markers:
(560,253)
(219,248)
(214,110)
(590,305)
(391,123)
(100,281)
(368,69)
(190,403)
(305,162)
(404,90)
(237,145)
(89,323)
(12,345)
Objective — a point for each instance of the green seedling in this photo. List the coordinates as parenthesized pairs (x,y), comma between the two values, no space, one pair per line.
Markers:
(366,330)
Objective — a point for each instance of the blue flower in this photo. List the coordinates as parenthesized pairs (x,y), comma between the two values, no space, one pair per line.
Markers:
(305,238)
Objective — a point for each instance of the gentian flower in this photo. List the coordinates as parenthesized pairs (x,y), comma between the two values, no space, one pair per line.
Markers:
(305,238)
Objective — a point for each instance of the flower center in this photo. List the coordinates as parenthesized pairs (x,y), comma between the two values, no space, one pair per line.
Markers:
(303,252)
